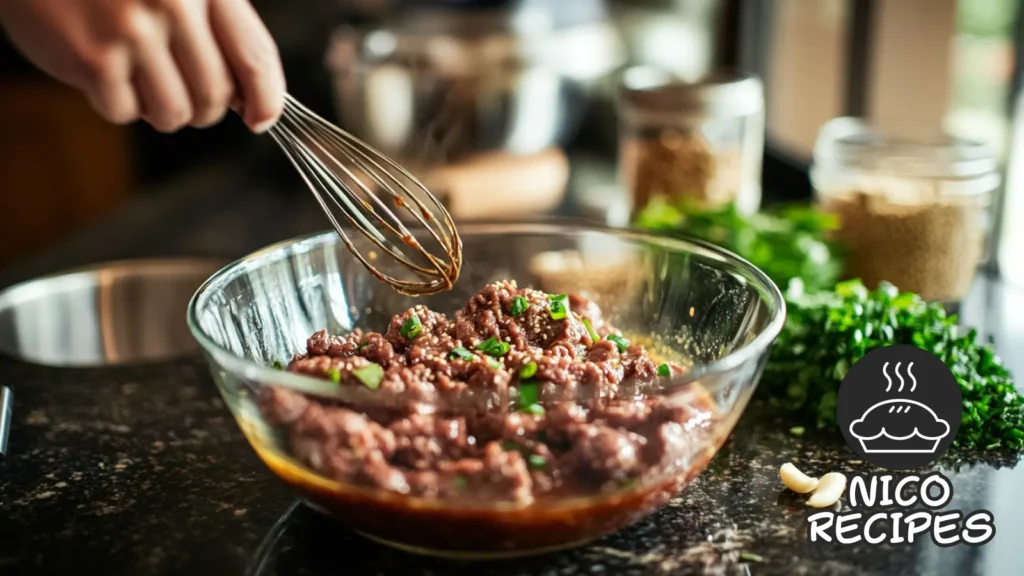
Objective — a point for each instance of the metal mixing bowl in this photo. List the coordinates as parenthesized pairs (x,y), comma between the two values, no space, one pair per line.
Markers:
(435,86)
(113,313)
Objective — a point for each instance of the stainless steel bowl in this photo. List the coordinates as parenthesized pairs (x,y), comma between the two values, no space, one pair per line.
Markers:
(436,86)
(114,313)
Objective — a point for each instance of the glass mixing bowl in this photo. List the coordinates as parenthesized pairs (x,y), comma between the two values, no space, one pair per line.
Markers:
(686,301)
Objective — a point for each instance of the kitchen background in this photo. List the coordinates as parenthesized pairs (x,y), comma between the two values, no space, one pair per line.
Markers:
(515,108)
(900,63)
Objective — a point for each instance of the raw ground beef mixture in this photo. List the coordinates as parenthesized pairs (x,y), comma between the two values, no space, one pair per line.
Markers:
(566,411)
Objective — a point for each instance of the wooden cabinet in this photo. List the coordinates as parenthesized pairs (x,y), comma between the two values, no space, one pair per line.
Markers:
(61,165)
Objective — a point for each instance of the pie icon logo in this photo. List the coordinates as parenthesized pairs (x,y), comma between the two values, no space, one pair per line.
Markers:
(899,407)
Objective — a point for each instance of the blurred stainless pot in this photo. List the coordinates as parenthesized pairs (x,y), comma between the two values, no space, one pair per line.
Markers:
(435,86)
(115,313)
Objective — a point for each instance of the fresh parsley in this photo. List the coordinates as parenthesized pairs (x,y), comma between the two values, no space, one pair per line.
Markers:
(786,242)
(827,332)
(830,326)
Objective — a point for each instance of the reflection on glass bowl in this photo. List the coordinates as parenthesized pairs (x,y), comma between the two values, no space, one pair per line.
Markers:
(684,300)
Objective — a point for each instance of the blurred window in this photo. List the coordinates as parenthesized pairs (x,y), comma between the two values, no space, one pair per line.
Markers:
(805,71)
(905,65)
(983,61)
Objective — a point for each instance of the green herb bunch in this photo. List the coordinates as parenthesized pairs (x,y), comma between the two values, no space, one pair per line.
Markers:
(827,332)
(786,243)
(830,326)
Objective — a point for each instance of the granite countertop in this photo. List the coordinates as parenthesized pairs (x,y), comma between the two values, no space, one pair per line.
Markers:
(141,470)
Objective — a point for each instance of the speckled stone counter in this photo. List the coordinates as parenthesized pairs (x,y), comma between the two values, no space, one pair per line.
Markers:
(143,471)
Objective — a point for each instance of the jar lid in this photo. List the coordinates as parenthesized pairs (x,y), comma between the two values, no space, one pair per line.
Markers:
(721,93)
(851,144)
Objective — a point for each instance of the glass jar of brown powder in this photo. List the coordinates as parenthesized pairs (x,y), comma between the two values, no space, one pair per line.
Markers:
(697,143)
(912,212)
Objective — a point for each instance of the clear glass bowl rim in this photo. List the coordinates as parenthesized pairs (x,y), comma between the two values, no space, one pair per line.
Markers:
(256,372)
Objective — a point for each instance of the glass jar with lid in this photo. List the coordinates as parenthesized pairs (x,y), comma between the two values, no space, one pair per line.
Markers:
(912,211)
(697,144)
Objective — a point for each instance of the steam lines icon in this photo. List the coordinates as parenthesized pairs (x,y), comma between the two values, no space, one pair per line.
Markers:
(899,425)
(913,385)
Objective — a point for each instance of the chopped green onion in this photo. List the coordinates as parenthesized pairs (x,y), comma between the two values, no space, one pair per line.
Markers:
(370,375)
(535,409)
(797,430)
(528,395)
(494,347)
(619,341)
(334,374)
(751,557)
(510,446)
(460,482)
(590,330)
(493,364)
(412,327)
(460,352)
(536,461)
(528,371)
(558,305)
(664,370)
(628,483)
(519,305)
(277,365)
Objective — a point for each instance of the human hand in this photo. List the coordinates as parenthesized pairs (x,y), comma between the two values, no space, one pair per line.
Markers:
(171,63)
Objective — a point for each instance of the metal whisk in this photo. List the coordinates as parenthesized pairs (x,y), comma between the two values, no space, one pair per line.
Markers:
(347,175)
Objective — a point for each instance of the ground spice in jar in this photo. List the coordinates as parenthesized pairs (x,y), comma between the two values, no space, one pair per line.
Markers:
(674,164)
(931,247)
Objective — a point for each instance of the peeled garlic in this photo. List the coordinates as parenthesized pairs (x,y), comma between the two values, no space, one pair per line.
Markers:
(830,489)
(796,480)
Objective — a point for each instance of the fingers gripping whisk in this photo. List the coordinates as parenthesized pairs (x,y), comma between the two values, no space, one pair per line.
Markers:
(364,191)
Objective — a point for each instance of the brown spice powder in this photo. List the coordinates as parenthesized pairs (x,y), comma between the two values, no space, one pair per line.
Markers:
(674,164)
(933,249)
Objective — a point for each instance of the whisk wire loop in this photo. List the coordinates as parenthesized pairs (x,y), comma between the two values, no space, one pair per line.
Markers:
(349,176)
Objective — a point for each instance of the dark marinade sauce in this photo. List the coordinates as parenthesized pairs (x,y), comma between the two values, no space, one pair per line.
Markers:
(564,414)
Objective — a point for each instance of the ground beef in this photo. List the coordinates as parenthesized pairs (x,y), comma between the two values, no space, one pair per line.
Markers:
(324,344)
(507,401)
(603,454)
(424,440)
